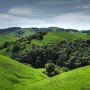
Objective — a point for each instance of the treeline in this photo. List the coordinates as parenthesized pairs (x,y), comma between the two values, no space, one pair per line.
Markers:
(86,31)
(42,30)
(66,30)
(8,30)
(69,54)
(49,29)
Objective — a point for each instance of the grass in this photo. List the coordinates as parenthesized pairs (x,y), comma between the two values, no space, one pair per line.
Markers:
(5,53)
(51,37)
(14,36)
(56,36)
(78,79)
(17,76)
(7,37)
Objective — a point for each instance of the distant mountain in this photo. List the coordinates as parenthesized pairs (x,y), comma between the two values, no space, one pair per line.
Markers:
(9,30)
(35,29)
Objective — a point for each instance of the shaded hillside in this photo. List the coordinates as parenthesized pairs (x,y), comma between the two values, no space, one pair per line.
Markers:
(9,30)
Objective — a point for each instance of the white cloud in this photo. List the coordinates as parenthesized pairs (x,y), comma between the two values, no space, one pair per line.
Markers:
(21,11)
(68,20)
(74,16)
(83,6)
(73,20)
(7,20)
(58,2)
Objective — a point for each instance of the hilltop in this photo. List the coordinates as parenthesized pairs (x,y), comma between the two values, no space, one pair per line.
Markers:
(15,33)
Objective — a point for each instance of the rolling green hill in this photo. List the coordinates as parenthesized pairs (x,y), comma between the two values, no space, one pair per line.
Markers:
(55,36)
(51,37)
(16,76)
(12,36)
(78,79)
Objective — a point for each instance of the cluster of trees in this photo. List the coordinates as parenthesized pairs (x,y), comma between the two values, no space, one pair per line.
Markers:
(66,30)
(21,43)
(49,29)
(20,33)
(85,31)
(69,54)
(52,69)
(42,30)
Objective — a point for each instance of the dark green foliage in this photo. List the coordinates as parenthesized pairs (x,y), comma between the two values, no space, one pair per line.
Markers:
(70,54)
(15,48)
(50,69)
(5,45)
(38,63)
(19,33)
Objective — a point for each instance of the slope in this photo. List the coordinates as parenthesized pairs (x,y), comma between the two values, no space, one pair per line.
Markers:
(12,36)
(55,36)
(16,76)
(78,79)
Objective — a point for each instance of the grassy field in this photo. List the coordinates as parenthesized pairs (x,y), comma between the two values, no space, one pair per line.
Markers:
(14,36)
(78,79)
(55,36)
(17,76)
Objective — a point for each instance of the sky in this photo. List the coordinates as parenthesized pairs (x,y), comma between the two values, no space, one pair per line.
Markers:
(73,14)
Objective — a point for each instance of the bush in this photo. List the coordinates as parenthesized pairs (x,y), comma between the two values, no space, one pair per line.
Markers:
(50,69)
(15,48)
(64,69)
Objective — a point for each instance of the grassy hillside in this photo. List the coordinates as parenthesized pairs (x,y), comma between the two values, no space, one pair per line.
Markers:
(55,36)
(14,35)
(16,76)
(51,37)
(78,79)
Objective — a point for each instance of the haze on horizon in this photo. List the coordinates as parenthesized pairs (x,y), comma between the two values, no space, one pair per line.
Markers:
(73,14)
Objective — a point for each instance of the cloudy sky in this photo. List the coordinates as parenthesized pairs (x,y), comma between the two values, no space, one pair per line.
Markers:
(45,13)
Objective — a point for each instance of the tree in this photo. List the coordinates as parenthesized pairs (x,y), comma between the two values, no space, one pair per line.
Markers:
(15,48)
(50,68)
(38,64)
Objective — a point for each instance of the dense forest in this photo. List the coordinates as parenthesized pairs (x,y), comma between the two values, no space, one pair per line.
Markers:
(65,53)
